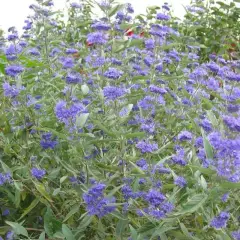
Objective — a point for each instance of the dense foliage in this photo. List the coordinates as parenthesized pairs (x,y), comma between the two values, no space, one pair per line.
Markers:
(119,126)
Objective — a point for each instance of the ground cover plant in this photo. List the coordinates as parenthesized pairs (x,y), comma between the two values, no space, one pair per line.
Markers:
(118,126)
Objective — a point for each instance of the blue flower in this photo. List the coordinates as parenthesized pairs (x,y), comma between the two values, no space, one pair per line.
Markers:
(142,163)
(148,61)
(149,43)
(73,78)
(116,61)
(156,89)
(38,173)
(113,73)
(67,62)
(6,212)
(154,198)
(71,51)
(147,147)
(10,91)
(97,203)
(120,15)
(10,235)
(101,26)
(54,52)
(225,197)
(47,141)
(112,93)
(98,62)
(220,221)
(12,36)
(75,5)
(34,52)
(14,70)
(12,51)
(236,235)
(68,114)
(28,25)
(162,16)
(4,178)
(98,38)
(130,8)
(185,136)
(180,181)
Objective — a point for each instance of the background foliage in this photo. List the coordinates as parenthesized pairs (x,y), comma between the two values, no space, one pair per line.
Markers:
(121,127)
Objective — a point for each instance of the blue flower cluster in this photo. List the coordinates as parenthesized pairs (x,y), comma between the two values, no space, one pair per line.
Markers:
(97,203)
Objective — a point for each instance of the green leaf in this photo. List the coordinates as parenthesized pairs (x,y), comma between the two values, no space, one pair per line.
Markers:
(85,89)
(4,230)
(134,233)
(230,185)
(18,228)
(118,46)
(33,204)
(153,7)
(85,222)
(115,9)
(6,168)
(67,232)
(56,191)
(207,104)
(192,205)
(121,227)
(82,119)
(135,43)
(206,171)
(74,210)
(186,232)
(162,229)
(146,228)
(40,187)
(51,224)
(136,168)
(135,135)
(212,118)
(42,236)
(104,128)
(17,199)
(207,147)
(203,182)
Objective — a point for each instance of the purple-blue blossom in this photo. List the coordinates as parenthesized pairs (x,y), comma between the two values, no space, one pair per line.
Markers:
(73,77)
(14,70)
(113,73)
(146,147)
(5,178)
(236,235)
(67,62)
(180,181)
(112,93)
(185,136)
(96,202)
(101,26)
(154,198)
(38,173)
(162,16)
(98,38)
(10,90)
(48,141)
(220,221)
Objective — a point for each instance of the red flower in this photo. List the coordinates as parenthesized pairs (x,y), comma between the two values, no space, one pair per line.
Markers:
(129,33)
(141,34)
(89,44)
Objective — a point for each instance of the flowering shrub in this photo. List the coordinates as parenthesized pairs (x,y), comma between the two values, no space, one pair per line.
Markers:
(114,128)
